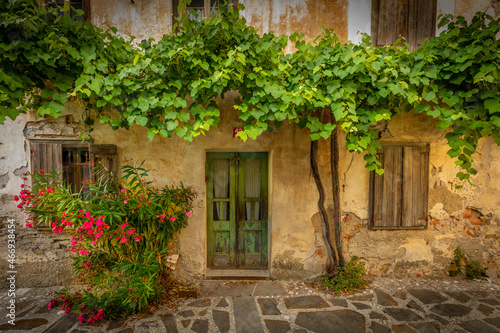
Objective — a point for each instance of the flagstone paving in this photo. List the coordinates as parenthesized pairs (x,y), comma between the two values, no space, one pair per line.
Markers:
(390,305)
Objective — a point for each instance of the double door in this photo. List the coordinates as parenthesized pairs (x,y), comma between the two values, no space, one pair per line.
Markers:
(237,214)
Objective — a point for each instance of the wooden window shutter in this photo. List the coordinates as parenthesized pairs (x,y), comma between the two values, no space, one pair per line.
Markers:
(386,192)
(106,155)
(399,197)
(422,22)
(46,156)
(414,20)
(415,186)
(175,14)
(389,21)
(87,10)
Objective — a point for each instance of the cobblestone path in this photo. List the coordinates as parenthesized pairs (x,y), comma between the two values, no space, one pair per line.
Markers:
(390,305)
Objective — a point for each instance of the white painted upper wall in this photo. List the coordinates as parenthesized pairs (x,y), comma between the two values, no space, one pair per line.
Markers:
(359,20)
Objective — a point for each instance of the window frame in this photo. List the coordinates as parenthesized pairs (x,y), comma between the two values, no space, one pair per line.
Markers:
(207,9)
(413,34)
(85,7)
(96,153)
(423,183)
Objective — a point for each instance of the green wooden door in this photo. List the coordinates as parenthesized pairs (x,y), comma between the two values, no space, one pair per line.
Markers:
(237,201)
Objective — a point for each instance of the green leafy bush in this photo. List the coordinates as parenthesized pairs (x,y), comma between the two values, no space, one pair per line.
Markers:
(350,278)
(170,86)
(120,235)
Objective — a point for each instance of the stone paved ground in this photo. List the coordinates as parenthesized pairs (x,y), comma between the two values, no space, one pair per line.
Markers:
(391,305)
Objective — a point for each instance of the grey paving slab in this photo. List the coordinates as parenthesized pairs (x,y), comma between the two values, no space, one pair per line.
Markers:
(227,289)
(341,321)
(361,306)
(485,309)
(201,303)
(200,326)
(459,296)
(269,306)
(64,324)
(379,328)
(269,288)
(24,324)
(476,326)
(438,318)
(494,321)
(427,327)
(402,328)
(246,315)
(362,298)
(451,310)
(480,293)
(187,313)
(221,320)
(305,302)
(427,296)
(414,305)
(339,302)
(402,314)
(222,303)
(169,323)
(277,326)
(385,299)
(377,315)
(25,312)
(490,301)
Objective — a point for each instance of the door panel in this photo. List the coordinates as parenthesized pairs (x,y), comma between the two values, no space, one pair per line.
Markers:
(252,208)
(237,210)
(221,182)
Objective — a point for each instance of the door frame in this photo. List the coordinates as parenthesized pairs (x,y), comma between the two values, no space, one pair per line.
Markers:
(266,205)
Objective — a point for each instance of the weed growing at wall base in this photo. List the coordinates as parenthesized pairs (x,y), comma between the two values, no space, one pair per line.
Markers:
(120,237)
(461,264)
(350,278)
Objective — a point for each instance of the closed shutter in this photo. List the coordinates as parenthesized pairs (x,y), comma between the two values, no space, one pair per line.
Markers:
(87,16)
(389,21)
(425,18)
(46,156)
(415,188)
(399,197)
(414,20)
(387,190)
(107,156)
(175,14)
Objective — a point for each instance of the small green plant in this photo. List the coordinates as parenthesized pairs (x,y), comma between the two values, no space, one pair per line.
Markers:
(471,269)
(350,278)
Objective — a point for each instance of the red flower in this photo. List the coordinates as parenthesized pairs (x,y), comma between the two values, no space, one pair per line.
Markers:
(16,198)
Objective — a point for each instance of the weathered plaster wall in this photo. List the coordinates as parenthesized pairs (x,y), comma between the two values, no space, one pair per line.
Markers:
(153,18)
(469,217)
(41,257)
(287,16)
(140,18)
(292,191)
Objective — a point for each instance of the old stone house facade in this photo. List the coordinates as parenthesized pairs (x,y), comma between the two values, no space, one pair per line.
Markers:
(276,192)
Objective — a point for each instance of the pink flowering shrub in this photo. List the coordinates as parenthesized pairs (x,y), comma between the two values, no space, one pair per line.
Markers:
(120,235)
